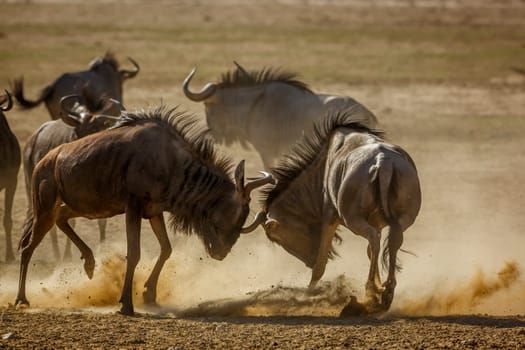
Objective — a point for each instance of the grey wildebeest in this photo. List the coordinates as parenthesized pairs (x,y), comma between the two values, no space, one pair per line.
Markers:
(147,164)
(104,78)
(269,109)
(9,165)
(345,174)
(76,122)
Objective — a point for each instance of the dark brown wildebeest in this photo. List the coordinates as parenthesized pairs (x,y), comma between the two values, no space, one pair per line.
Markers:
(9,165)
(345,174)
(147,164)
(103,78)
(77,121)
(268,108)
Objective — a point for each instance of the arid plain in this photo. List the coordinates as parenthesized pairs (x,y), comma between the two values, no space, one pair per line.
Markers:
(442,77)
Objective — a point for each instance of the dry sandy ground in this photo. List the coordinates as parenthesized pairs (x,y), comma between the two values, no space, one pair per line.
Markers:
(464,288)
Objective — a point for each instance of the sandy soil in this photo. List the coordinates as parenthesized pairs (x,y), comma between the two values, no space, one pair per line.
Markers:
(463,288)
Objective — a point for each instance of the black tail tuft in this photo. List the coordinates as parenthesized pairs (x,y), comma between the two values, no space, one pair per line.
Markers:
(395,233)
(18,92)
(28,231)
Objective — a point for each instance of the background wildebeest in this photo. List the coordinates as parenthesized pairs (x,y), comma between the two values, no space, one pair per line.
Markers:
(77,121)
(145,165)
(268,108)
(103,78)
(9,165)
(346,174)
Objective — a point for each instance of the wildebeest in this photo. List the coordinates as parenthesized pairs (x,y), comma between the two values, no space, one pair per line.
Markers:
(104,78)
(9,165)
(76,122)
(269,108)
(147,164)
(345,174)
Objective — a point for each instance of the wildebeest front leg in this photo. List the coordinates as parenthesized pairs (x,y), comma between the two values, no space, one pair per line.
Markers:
(159,229)
(64,215)
(102,223)
(328,228)
(38,228)
(133,221)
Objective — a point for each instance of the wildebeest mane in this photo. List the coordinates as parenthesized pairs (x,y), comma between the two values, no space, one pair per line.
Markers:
(243,78)
(184,125)
(109,58)
(308,149)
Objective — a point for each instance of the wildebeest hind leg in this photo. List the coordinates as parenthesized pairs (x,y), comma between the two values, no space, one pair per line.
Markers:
(159,228)
(362,228)
(133,221)
(54,242)
(8,220)
(65,213)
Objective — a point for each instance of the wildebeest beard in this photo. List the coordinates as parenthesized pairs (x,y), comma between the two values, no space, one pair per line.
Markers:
(194,216)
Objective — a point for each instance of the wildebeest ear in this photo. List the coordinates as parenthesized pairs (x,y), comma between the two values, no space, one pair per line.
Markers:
(239,177)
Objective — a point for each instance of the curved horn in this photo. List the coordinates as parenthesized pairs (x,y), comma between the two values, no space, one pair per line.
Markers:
(9,102)
(266,179)
(206,92)
(108,120)
(117,102)
(127,74)
(241,69)
(110,103)
(63,105)
(260,217)
(70,117)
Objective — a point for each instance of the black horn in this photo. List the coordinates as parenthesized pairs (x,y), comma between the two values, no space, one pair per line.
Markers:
(9,102)
(109,103)
(260,217)
(127,74)
(66,109)
(205,93)
(70,117)
(266,179)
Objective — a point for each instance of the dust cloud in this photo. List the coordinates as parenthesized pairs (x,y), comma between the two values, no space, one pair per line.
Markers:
(475,272)
(502,293)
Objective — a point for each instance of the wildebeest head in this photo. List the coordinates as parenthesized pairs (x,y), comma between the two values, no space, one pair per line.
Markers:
(228,216)
(297,237)
(108,62)
(89,118)
(220,226)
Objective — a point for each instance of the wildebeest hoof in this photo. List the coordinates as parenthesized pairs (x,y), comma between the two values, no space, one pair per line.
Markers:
(353,309)
(386,299)
(21,304)
(89,266)
(150,298)
(127,311)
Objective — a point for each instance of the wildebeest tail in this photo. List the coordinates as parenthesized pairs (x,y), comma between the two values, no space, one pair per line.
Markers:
(383,173)
(27,230)
(18,92)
